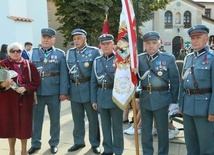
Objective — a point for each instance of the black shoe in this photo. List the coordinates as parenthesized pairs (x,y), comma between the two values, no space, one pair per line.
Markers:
(96,149)
(54,149)
(33,150)
(76,147)
(106,153)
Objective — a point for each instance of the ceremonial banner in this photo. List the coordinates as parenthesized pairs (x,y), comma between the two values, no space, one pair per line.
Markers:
(105,27)
(126,62)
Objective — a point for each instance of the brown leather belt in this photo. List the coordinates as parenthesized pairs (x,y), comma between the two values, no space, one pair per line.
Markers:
(106,86)
(81,80)
(150,88)
(198,91)
(49,74)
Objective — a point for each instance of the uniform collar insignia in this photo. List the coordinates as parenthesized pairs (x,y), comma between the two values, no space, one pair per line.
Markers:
(152,57)
(82,49)
(108,57)
(47,50)
(200,52)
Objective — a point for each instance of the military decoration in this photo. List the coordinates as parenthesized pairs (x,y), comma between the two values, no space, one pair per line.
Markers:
(206,58)
(86,64)
(160,73)
(45,60)
(53,59)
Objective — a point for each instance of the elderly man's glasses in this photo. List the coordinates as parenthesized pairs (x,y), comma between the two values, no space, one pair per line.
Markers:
(17,51)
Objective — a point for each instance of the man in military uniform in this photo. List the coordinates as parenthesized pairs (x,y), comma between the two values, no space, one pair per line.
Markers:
(159,78)
(102,80)
(196,98)
(79,62)
(51,64)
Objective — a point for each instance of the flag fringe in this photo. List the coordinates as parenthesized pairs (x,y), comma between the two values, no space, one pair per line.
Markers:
(124,106)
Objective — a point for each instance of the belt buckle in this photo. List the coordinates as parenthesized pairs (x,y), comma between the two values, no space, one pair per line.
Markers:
(187,91)
(77,81)
(149,88)
(104,86)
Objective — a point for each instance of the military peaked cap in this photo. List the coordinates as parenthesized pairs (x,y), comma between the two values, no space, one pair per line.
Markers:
(151,35)
(78,32)
(198,29)
(105,38)
(48,32)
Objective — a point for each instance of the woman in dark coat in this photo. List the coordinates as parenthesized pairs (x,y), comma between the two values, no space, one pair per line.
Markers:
(16,106)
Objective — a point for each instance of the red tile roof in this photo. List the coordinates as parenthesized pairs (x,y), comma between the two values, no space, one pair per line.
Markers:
(16,18)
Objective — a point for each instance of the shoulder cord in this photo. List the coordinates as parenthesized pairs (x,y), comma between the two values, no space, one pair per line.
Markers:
(193,75)
(106,71)
(77,63)
(71,70)
(42,60)
(99,78)
(144,75)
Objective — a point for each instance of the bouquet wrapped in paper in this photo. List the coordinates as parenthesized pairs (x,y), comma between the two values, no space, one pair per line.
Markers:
(8,74)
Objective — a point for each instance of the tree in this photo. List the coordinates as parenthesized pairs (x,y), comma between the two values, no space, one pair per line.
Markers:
(90,14)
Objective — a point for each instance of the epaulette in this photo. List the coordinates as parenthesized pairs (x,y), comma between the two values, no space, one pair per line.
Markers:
(72,48)
(141,54)
(189,54)
(211,52)
(35,48)
(167,54)
(98,57)
(93,47)
(60,50)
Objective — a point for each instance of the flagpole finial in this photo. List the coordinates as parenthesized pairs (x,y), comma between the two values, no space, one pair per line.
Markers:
(106,9)
(106,12)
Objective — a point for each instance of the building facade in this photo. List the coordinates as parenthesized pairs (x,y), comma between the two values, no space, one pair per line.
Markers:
(174,22)
(22,20)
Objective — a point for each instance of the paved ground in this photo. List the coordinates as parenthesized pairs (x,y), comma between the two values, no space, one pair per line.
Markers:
(176,146)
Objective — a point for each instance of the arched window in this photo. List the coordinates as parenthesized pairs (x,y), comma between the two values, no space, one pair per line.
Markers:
(178,18)
(187,19)
(168,19)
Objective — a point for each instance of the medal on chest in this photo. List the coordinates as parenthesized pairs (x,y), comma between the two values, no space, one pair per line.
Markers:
(45,60)
(160,73)
(206,58)
(86,64)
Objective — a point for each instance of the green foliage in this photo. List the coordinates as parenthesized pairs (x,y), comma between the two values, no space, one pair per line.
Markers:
(90,15)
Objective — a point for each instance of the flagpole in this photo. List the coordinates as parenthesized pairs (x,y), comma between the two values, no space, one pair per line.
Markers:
(135,126)
(133,100)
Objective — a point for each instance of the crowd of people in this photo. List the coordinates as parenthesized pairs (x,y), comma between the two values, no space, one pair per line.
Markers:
(46,75)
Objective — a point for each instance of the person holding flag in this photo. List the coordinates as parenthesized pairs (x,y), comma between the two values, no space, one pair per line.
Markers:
(102,81)
(159,78)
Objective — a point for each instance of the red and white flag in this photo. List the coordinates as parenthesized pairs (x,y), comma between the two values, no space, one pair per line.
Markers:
(126,66)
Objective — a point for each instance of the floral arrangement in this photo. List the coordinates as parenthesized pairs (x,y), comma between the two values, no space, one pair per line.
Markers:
(8,74)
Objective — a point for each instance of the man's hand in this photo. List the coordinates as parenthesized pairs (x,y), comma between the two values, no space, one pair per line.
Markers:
(95,106)
(211,117)
(63,97)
